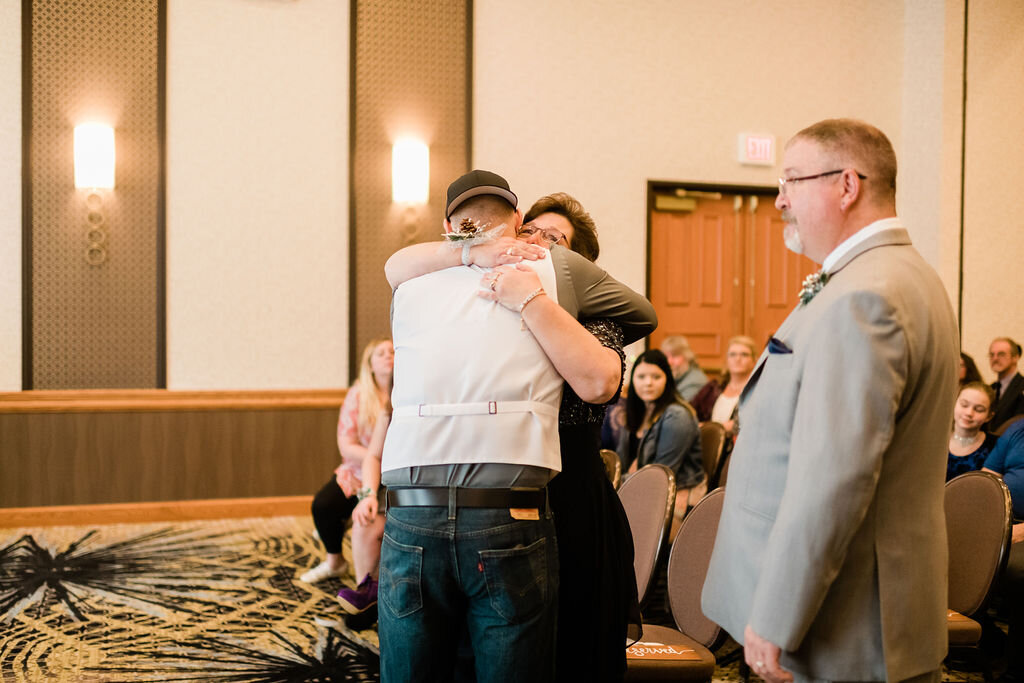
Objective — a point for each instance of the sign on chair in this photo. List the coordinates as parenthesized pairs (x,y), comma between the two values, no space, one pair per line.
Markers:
(652,650)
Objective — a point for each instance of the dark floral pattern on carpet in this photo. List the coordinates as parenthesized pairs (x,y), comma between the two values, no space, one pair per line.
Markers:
(201,601)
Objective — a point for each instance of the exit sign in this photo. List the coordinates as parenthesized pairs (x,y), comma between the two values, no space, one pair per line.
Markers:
(757,150)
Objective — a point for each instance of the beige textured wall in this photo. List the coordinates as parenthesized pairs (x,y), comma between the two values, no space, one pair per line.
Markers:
(929,160)
(595,97)
(257,194)
(10,196)
(993,219)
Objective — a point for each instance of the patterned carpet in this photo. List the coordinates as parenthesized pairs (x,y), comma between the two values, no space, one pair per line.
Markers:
(198,601)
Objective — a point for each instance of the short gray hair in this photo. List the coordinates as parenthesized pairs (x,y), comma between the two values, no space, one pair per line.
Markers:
(677,345)
(862,145)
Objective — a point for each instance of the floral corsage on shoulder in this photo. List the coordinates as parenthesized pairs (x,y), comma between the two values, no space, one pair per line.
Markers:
(813,284)
(469,233)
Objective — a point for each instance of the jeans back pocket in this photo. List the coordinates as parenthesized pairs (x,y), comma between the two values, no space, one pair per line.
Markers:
(400,569)
(517,580)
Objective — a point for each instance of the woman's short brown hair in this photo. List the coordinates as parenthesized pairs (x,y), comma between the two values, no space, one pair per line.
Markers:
(584,231)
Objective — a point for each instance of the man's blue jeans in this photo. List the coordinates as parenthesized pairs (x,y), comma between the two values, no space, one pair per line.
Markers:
(481,573)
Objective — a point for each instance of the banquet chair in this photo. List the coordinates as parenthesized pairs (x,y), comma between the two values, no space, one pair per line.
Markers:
(695,634)
(998,431)
(612,466)
(712,440)
(979,518)
(648,497)
(723,470)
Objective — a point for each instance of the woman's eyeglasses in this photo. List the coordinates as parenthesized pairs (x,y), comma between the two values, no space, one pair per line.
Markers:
(550,235)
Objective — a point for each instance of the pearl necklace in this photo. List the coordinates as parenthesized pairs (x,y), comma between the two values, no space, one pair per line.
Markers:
(965,441)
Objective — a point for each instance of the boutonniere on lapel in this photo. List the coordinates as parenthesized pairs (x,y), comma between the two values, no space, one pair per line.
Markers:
(813,284)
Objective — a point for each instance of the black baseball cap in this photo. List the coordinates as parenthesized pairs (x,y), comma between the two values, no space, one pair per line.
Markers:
(477,183)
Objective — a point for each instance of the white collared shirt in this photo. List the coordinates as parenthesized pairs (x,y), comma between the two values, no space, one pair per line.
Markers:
(856,238)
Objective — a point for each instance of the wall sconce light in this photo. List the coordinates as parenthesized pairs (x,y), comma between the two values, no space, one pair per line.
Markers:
(410,171)
(94,171)
(94,156)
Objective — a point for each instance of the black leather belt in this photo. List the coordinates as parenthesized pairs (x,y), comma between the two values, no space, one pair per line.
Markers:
(437,496)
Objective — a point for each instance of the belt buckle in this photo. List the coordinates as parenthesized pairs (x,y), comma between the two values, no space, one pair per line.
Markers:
(492,408)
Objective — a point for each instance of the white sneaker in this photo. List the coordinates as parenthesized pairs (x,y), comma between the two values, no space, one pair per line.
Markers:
(323,571)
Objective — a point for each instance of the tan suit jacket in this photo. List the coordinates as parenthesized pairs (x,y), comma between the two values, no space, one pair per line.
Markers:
(832,542)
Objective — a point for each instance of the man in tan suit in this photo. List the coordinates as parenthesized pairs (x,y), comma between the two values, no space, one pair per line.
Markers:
(830,561)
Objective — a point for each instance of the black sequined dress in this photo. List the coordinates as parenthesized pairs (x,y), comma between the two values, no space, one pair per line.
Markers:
(597,598)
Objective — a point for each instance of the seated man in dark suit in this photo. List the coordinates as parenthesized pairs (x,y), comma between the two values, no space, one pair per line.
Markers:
(1003,356)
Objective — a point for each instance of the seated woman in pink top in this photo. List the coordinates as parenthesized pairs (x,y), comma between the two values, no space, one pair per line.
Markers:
(366,400)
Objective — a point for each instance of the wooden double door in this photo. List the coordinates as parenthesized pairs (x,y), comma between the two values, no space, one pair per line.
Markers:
(718,267)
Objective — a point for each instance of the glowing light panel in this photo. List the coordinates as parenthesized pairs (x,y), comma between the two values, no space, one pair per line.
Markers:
(410,171)
(94,156)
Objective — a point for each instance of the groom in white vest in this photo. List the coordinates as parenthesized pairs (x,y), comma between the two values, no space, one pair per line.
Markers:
(469,552)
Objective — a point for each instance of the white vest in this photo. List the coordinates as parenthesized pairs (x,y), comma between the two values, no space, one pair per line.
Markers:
(472,385)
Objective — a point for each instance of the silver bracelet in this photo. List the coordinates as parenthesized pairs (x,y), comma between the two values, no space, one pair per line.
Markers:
(465,254)
(530,297)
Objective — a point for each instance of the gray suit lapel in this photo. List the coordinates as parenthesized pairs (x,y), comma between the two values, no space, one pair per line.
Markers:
(895,236)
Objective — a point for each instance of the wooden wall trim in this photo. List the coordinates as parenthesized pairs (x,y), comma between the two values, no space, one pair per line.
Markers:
(141,513)
(100,457)
(160,400)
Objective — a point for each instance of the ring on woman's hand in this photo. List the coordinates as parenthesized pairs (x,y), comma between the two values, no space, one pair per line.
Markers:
(758,666)
(494,283)
(508,252)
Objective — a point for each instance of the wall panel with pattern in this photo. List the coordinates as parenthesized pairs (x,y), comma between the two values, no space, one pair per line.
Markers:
(411,76)
(94,281)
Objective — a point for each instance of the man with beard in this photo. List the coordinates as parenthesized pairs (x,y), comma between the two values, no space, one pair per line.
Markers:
(830,560)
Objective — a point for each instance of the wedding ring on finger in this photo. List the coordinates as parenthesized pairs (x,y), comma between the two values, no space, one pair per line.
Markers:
(508,252)
(494,283)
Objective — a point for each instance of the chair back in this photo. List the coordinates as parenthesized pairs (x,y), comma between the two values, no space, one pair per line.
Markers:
(1006,425)
(688,566)
(712,439)
(648,497)
(612,466)
(979,517)
(723,471)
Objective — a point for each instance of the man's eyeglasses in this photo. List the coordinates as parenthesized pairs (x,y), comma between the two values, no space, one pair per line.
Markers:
(785,182)
(550,235)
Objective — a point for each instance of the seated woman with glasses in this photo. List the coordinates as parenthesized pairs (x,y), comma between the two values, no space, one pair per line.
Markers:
(718,400)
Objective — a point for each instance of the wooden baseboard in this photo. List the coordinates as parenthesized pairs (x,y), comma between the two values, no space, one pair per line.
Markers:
(170,511)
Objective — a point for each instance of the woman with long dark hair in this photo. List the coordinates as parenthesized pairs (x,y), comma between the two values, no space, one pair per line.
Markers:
(662,428)
(968,370)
